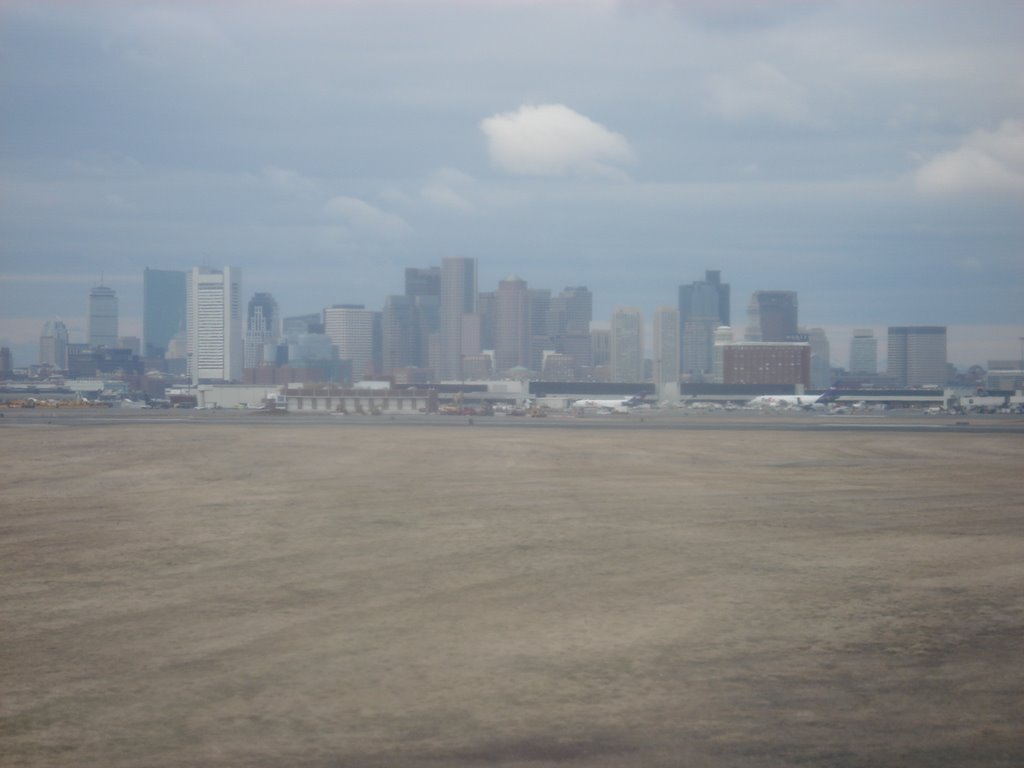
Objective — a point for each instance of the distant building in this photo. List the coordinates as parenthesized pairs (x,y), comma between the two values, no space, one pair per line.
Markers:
(299,324)
(766,363)
(102,317)
(423,289)
(458,298)
(262,328)
(355,332)
(772,316)
(863,352)
(164,304)
(132,343)
(821,363)
(703,306)
(216,345)
(627,345)
(511,324)
(6,361)
(917,355)
(600,346)
(53,345)
(398,333)
(569,316)
(723,336)
(666,345)
(539,331)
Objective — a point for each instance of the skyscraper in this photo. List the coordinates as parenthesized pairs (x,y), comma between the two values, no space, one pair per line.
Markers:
(354,330)
(772,316)
(511,324)
(458,298)
(917,354)
(398,333)
(164,301)
(666,345)
(626,351)
(214,323)
(423,289)
(262,327)
(102,317)
(703,306)
(569,317)
(53,345)
(821,363)
(864,352)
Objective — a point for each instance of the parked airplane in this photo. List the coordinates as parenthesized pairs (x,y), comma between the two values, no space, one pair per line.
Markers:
(807,402)
(617,406)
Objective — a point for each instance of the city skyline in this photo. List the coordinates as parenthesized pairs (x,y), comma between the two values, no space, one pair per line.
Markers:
(740,326)
(862,155)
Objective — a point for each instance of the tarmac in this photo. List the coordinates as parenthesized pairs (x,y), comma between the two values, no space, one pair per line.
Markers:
(232,588)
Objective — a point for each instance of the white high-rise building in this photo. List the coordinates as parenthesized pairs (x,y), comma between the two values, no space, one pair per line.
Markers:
(666,345)
(53,345)
(102,317)
(864,352)
(216,345)
(627,345)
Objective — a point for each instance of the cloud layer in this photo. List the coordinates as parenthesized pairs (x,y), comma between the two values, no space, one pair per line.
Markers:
(986,161)
(553,140)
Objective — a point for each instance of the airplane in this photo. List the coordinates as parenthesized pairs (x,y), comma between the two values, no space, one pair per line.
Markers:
(614,406)
(806,402)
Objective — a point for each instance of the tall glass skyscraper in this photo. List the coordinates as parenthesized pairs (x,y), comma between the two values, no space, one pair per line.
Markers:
(703,306)
(164,299)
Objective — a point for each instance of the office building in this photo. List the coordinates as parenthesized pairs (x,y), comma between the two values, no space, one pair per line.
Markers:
(355,332)
(666,345)
(216,344)
(821,362)
(423,289)
(917,355)
(262,329)
(6,362)
(53,345)
(299,324)
(511,325)
(569,316)
(766,363)
(772,316)
(626,352)
(102,317)
(399,333)
(703,306)
(458,298)
(422,281)
(164,301)
(864,352)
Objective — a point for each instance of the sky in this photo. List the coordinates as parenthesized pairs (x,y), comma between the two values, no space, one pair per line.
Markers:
(868,155)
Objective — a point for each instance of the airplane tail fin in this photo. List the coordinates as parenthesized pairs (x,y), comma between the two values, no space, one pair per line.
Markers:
(829,396)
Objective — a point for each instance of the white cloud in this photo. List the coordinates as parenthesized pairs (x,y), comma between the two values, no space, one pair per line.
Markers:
(759,91)
(363,217)
(985,161)
(553,140)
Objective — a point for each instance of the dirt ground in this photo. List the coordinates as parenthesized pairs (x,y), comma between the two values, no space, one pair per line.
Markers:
(187,595)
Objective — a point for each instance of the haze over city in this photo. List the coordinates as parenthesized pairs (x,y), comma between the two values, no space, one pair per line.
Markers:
(865,155)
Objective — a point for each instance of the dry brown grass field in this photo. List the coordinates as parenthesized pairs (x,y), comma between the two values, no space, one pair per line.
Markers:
(350,595)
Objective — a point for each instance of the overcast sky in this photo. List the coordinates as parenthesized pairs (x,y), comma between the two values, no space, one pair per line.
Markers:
(869,155)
